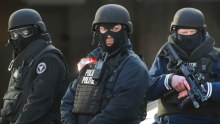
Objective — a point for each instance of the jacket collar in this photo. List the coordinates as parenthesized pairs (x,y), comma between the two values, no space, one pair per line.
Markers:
(202,50)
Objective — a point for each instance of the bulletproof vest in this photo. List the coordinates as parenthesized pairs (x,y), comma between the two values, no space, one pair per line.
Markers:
(22,75)
(204,65)
(88,92)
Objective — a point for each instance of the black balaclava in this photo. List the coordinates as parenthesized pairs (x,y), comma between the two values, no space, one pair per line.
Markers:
(119,38)
(21,43)
(189,42)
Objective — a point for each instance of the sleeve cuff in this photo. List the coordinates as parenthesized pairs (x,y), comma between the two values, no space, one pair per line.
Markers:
(209,90)
(167,81)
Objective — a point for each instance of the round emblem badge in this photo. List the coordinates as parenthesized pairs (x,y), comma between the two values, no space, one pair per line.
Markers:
(41,68)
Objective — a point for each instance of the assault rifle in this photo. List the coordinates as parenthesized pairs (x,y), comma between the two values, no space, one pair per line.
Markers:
(195,81)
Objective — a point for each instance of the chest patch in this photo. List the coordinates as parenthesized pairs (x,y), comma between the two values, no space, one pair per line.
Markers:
(87,79)
(41,68)
(86,75)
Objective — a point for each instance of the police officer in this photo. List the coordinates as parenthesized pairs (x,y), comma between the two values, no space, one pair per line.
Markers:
(195,47)
(115,95)
(38,73)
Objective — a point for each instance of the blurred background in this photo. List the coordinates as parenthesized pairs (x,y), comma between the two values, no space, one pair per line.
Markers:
(69,24)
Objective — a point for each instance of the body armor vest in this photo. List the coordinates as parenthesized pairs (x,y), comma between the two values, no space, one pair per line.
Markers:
(21,77)
(88,93)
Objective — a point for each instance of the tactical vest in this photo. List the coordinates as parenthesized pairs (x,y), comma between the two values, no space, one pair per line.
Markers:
(21,82)
(169,104)
(88,92)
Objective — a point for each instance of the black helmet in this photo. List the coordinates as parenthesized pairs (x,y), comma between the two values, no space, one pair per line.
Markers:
(24,17)
(188,17)
(113,13)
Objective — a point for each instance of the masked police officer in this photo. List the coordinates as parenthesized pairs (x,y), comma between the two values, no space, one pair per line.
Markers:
(195,47)
(111,90)
(38,73)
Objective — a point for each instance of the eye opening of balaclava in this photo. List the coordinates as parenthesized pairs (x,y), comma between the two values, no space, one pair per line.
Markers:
(111,40)
(189,43)
(21,37)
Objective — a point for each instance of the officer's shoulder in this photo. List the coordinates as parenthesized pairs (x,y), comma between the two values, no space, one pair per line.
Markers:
(135,60)
(50,54)
(133,57)
(49,57)
(214,53)
(160,53)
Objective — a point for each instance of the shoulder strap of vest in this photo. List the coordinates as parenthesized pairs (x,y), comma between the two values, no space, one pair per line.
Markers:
(51,48)
(113,77)
(119,68)
(48,48)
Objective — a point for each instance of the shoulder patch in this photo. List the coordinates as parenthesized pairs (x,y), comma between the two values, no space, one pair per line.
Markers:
(41,68)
